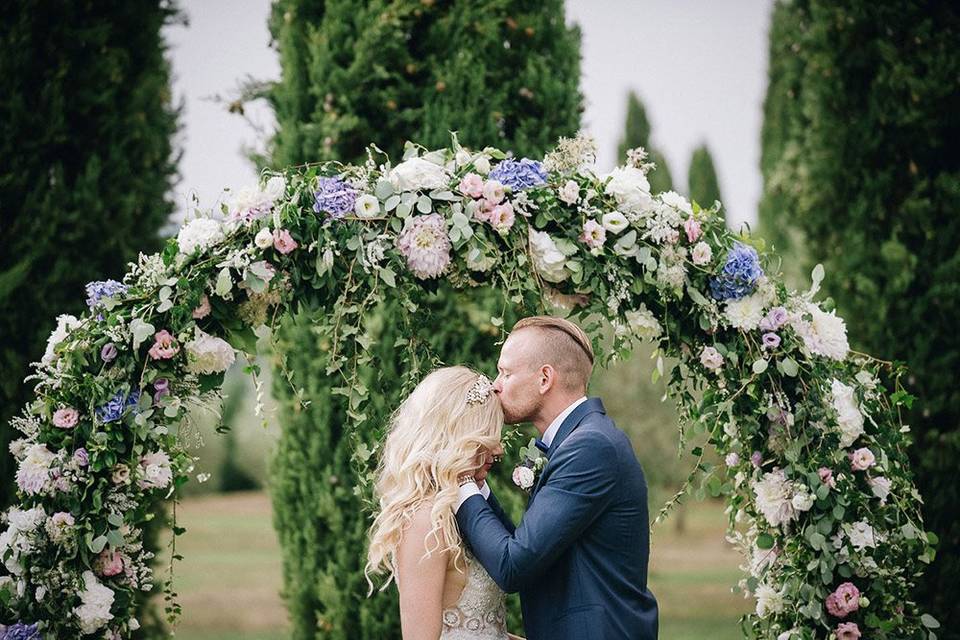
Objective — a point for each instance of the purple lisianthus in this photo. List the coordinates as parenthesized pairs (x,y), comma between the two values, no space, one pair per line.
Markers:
(114,408)
(82,457)
(774,319)
(519,174)
(161,387)
(109,352)
(334,197)
(771,341)
(756,459)
(20,631)
(739,275)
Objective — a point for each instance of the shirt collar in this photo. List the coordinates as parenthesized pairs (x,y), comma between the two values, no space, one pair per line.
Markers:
(551,431)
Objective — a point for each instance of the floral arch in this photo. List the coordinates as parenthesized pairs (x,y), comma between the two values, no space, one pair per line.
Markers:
(815,471)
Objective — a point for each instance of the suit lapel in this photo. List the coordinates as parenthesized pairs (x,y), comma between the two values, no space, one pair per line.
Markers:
(571,422)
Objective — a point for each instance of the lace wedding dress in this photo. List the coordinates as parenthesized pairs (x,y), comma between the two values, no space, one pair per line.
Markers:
(480,613)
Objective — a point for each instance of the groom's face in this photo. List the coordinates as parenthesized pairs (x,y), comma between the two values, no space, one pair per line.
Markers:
(517,384)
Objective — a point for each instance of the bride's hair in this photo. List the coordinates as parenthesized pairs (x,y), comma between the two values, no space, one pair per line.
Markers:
(434,437)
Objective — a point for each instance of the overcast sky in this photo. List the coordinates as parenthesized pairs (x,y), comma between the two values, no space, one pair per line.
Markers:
(699,67)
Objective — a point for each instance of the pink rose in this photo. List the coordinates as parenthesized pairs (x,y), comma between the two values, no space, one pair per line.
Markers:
(502,217)
(594,235)
(203,309)
(65,418)
(692,227)
(109,563)
(164,346)
(862,459)
(711,358)
(471,185)
(848,631)
(826,477)
(493,191)
(283,241)
(844,601)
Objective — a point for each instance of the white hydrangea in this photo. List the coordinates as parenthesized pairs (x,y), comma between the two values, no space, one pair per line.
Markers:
(662,226)
(208,354)
(745,313)
(96,600)
(199,235)
(631,189)
(824,334)
(65,324)
(861,535)
(548,260)
(769,600)
(417,173)
(849,418)
(643,323)
(774,497)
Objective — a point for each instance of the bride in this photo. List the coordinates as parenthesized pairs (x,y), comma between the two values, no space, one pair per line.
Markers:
(446,429)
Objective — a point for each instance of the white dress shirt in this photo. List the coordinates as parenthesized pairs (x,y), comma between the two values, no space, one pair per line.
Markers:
(471,488)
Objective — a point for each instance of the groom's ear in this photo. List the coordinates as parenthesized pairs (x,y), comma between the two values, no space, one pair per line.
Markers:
(547,378)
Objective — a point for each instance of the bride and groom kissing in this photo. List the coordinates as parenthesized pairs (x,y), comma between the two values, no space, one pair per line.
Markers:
(579,555)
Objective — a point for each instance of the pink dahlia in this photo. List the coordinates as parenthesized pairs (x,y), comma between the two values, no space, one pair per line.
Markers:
(844,601)
(848,631)
(164,346)
(425,245)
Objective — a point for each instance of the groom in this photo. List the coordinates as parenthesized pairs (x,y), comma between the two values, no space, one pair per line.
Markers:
(579,556)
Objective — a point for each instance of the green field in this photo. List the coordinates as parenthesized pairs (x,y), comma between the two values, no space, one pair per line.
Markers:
(230,578)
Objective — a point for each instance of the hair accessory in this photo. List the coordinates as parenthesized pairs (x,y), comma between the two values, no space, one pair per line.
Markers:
(480,391)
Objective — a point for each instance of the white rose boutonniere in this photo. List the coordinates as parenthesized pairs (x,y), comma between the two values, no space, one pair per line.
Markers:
(525,474)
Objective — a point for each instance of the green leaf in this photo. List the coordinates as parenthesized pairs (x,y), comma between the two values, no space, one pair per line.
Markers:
(224,283)
(759,366)
(790,367)
(97,544)
(384,190)
(403,209)
(115,519)
(141,331)
(697,297)
(115,538)
(765,541)
(424,204)
(388,276)
(929,621)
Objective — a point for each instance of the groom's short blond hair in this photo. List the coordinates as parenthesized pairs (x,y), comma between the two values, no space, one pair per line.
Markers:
(563,345)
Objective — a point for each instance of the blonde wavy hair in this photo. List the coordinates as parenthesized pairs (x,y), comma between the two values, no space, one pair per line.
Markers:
(434,437)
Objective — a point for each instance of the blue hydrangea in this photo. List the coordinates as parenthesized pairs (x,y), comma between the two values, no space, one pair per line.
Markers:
(100,289)
(334,197)
(519,174)
(20,631)
(739,275)
(114,408)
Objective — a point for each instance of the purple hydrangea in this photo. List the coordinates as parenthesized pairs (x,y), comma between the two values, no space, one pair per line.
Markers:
(519,174)
(114,408)
(739,276)
(100,289)
(334,197)
(20,631)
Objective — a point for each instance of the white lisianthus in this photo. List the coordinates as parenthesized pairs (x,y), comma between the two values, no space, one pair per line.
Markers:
(880,486)
(264,238)
(276,186)
(677,201)
(523,477)
(631,189)
(769,600)
(96,600)
(802,500)
(199,235)
(482,165)
(569,192)
(367,206)
(774,497)
(702,254)
(65,323)
(824,334)
(614,222)
(643,324)
(711,358)
(208,354)
(861,535)
(417,173)
(849,418)
(548,260)
(745,313)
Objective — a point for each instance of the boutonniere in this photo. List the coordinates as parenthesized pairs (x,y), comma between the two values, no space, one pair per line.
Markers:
(525,474)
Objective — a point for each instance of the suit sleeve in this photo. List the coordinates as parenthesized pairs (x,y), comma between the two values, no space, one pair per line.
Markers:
(500,513)
(580,486)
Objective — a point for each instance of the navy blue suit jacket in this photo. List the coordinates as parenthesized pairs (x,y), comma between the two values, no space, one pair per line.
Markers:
(579,555)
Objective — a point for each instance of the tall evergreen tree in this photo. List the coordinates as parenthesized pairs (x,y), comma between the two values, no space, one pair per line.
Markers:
(637,134)
(382,71)
(860,157)
(702,178)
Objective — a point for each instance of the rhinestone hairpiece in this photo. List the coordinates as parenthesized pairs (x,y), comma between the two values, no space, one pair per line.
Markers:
(480,390)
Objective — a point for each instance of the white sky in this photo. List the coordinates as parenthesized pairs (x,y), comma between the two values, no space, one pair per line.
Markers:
(699,68)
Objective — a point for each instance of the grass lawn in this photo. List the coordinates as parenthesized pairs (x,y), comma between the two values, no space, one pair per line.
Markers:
(230,578)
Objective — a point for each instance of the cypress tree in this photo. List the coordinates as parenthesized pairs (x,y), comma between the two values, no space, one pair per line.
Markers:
(384,72)
(860,158)
(637,134)
(702,178)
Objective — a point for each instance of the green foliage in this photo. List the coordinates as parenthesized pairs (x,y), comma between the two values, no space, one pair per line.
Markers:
(496,72)
(860,161)
(87,166)
(637,134)
(704,189)
(232,476)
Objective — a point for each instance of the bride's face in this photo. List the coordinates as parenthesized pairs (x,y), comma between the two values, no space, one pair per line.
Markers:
(486,459)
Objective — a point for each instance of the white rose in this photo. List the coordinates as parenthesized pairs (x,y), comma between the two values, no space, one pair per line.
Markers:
(631,189)
(548,260)
(523,477)
(264,238)
(676,201)
(849,418)
(861,535)
(65,323)
(880,486)
(367,206)
(614,222)
(96,599)
(199,235)
(702,254)
(643,324)
(711,358)
(208,354)
(417,173)
(803,500)
(569,192)
(462,157)
(482,165)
